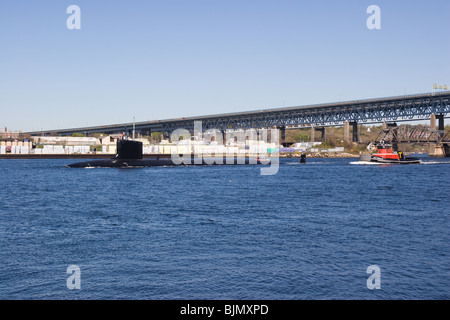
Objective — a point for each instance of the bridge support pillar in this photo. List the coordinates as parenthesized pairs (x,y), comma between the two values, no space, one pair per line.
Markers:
(441,127)
(346,131)
(433,121)
(322,133)
(282,134)
(313,134)
(355,133)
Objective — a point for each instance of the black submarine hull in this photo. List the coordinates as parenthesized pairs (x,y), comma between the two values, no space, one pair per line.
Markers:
(129,155)
(140,163)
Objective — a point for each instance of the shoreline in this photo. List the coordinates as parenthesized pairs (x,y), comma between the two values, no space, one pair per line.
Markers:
(149,156)
(322,155)
(165,156)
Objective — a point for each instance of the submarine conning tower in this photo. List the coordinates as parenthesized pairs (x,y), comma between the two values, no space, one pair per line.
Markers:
(129,149)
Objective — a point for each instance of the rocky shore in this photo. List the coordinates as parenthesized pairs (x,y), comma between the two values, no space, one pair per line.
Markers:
(321,155)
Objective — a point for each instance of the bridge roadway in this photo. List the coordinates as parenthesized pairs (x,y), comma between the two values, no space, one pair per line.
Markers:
(399,108)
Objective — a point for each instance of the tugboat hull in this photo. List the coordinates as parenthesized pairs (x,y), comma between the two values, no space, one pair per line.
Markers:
(371,158)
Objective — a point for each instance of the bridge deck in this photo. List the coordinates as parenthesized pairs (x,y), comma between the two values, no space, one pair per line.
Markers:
(399,108)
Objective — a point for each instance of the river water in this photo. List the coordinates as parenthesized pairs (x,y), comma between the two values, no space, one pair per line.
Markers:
(225,232)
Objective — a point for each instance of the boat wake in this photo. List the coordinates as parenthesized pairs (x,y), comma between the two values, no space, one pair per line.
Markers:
(368,163)
(435,162)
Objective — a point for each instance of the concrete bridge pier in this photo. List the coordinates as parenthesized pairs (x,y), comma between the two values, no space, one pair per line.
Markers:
(441,125)
(347,131)
(433,121)
(355,133)
(322,131)
(441,121)
(439,118)
(282,135)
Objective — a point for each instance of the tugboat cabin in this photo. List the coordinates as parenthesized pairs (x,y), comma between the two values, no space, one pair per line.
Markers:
(385,151)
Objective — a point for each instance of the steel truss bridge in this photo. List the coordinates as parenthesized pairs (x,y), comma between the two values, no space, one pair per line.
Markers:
(413,134)
(399,108)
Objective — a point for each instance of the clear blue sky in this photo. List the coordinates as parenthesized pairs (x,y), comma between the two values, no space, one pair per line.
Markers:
(175,58)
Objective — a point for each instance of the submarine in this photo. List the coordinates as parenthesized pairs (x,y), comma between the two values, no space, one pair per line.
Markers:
(130,155)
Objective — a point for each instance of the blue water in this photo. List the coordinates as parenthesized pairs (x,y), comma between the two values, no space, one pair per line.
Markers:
(308,232)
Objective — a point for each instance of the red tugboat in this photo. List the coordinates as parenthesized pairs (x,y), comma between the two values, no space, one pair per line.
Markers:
(384,154)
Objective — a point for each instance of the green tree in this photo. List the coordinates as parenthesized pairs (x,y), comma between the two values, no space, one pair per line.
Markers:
(156,136)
